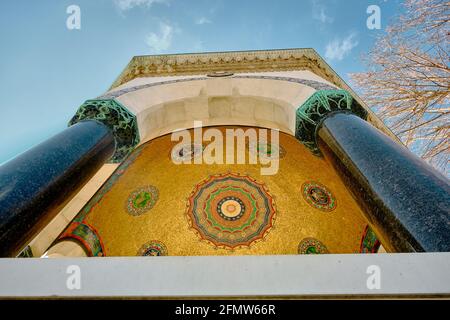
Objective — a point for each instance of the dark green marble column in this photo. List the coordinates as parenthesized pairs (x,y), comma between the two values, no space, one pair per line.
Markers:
(37,184)
(405,200)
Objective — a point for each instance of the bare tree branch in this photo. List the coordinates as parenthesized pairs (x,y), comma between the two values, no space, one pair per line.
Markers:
(407,82)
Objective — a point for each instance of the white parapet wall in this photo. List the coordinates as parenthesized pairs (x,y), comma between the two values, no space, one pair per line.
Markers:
(328,275)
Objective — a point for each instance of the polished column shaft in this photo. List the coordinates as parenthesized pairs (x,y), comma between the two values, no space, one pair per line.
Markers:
(37,184)
(405,200)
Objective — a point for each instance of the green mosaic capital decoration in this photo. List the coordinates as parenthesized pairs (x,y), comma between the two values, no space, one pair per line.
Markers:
(114,115)
(310,115)
(26,253)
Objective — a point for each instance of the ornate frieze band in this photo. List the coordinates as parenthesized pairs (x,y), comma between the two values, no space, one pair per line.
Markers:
(238,62)
(316,108)
(235,62)
(114,115)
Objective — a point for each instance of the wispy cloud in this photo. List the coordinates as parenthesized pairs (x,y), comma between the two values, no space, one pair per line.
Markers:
(319,12)
(124,5)
(339,49)
(198,45)
(202,20)
(162,40)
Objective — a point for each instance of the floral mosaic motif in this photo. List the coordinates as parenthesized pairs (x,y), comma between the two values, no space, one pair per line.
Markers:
(323,102)
(311,246)
(267,150)
(87,236)
(142,200)
(186,152)
(114,115)
(369,241)
(152,249)
(231,210)
(318,196)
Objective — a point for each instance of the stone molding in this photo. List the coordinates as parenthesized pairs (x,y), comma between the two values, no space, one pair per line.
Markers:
(240,62)
(316,85)
(234,61)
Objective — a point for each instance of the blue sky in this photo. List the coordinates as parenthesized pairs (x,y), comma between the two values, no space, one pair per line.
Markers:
(47,70)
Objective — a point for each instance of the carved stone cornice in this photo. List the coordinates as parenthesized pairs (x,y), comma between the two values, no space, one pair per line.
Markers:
(234,61)
(239,62)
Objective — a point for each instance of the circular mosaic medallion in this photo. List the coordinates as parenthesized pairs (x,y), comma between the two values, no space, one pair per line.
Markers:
(231,210)
(186,152)
(267,150)
(153,248)
(318,196)
(142,200)
(311,246)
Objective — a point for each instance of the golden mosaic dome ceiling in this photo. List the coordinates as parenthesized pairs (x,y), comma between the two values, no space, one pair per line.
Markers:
(153,206)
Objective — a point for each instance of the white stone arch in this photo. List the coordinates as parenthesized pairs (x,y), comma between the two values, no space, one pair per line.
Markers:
(164,107)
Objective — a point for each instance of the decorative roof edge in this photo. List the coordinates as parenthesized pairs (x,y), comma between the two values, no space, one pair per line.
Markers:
(234,61)
(294,59)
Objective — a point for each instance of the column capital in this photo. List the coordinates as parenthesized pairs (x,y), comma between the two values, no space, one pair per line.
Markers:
(118,118)
(310,114)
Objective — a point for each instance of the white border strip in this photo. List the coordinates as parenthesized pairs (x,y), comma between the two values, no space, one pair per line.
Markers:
(225,276)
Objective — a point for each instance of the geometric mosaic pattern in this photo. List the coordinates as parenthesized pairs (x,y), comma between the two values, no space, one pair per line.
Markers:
(142,200)
(311,246)
(369,241)
(87,236)
(218,221)
(318,196)
(230,210)
(152,249)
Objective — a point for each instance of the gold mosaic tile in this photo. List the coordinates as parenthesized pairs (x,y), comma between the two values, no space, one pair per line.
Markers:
(163,218)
